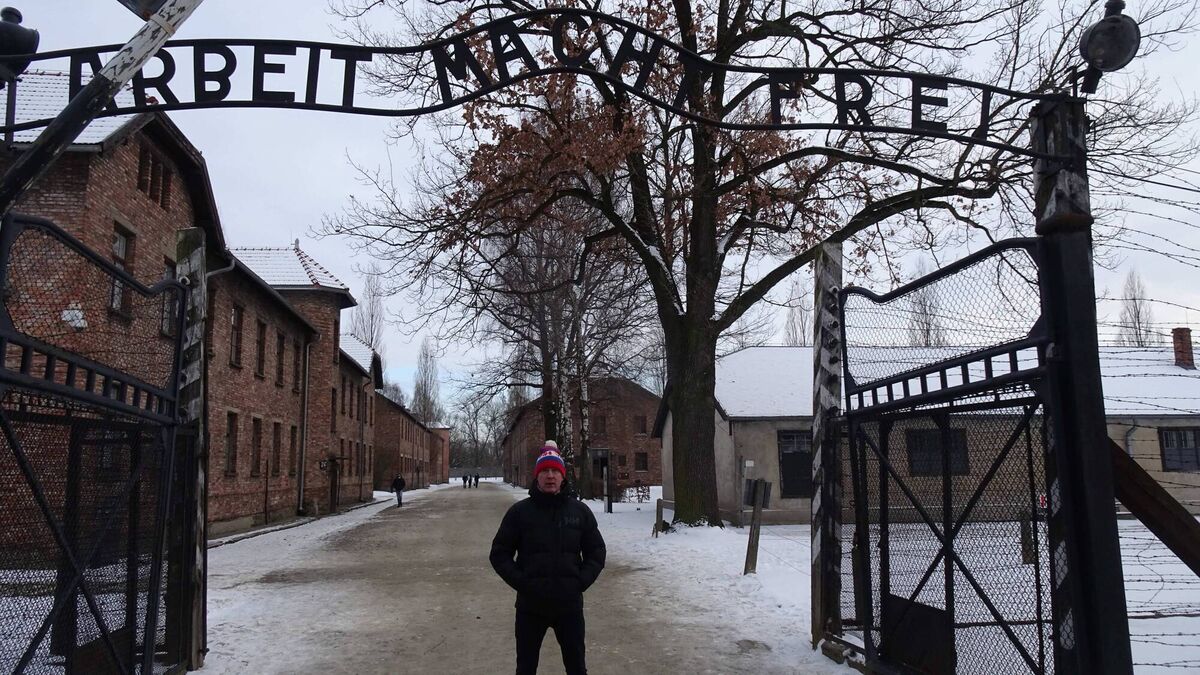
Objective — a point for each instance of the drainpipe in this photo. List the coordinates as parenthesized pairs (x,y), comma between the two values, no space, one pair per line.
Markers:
(303,470)
(1129,437)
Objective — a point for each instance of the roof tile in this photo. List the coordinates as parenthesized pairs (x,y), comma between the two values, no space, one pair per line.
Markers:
(42,95)
(288,266)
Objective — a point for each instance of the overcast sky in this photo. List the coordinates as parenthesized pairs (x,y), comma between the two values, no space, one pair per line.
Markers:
(276,173)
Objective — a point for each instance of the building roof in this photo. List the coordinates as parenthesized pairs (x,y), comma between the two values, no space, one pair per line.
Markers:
(759,382)
(43,94)
(404,409)
(290,268)
(359,352)
(266,288)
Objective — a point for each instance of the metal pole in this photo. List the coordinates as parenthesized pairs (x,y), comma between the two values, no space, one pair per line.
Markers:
(755,527)
(91,100)
(826,466)
(190,248)
(10,113)
(1091,627)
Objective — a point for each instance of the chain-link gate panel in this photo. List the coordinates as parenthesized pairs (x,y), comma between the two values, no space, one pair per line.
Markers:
(946,549)
(87,414)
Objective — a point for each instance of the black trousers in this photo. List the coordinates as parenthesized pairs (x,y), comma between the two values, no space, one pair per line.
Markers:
(399,497)
(568,630)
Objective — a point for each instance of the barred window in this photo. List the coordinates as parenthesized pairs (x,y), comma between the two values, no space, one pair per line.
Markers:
(280,353)
(292,453)
(260,349)
(231,443)
(237,322)
(255,447)
(1180,448)
(122,256)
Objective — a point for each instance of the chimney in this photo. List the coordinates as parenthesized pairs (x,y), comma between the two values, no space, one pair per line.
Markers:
(1182,338)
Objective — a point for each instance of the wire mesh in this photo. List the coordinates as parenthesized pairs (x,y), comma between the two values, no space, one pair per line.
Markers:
(991,301)
(87,400)
(58,296)
(943,470)
(996,591)
(97,475)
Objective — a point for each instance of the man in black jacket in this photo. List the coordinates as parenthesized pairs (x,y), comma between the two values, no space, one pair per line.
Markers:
(398,488)
(559,553)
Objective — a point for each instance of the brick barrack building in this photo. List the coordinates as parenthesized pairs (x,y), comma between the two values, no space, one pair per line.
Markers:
(621,417)
(290,404)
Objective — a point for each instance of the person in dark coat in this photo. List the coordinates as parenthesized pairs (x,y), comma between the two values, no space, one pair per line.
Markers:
(559,553)
(476,480)
(464,481)
(398,488)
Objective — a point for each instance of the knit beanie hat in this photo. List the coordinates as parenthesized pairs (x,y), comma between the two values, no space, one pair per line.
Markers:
(549,459)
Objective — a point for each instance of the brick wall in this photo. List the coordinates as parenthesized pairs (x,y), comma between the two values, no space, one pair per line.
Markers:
(355,435)
(90,195)
(403,446)
(322,309)
(240,489)
(628,414)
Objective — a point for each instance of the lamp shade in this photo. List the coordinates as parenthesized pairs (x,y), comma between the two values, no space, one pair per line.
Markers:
(143,8)
(15,39)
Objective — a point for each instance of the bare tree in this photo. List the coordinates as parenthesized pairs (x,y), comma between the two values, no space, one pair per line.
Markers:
(394,392)
(368,321)
(426,403)
(718,218)
(926,324)
(1137,317)
(797,327)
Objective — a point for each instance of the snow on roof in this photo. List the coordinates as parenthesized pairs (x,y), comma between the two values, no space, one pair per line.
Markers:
(357,351)
(288,266)
(43,94)
(777,382)
(766,382)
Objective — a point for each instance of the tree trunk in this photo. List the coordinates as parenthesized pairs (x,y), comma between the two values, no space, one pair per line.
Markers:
(585,464)
(693,409)
(549,393)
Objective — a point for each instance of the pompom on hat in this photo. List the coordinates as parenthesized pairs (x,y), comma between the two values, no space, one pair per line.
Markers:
(549,459)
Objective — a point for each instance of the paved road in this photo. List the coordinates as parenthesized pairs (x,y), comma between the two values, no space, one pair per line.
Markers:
(411,591)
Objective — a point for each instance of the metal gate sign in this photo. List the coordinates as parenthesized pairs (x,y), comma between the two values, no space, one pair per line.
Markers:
(192,74)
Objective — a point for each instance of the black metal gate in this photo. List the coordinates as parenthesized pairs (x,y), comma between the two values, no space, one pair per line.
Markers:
(945,469)
(90,553)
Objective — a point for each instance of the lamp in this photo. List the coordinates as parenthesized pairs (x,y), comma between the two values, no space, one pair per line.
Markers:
(1109,44)
(15,40)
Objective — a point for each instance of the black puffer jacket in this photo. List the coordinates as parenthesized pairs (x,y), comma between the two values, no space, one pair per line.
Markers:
(558,548)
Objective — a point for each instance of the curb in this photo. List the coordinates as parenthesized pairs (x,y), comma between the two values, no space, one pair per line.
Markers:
(233,539)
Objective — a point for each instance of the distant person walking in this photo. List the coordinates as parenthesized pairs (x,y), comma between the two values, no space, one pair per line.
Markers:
(464,481)
(398,488)
(558,553)
(476,480)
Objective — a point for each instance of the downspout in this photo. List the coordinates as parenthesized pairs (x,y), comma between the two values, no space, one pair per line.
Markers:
(303,433)
(1128,440)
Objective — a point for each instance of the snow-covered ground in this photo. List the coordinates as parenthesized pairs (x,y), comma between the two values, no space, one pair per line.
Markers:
(691,573)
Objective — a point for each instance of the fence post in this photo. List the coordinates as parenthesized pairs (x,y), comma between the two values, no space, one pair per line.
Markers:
(755,525)
(826,466)
(658,509)
(190,251)
(1091,625)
